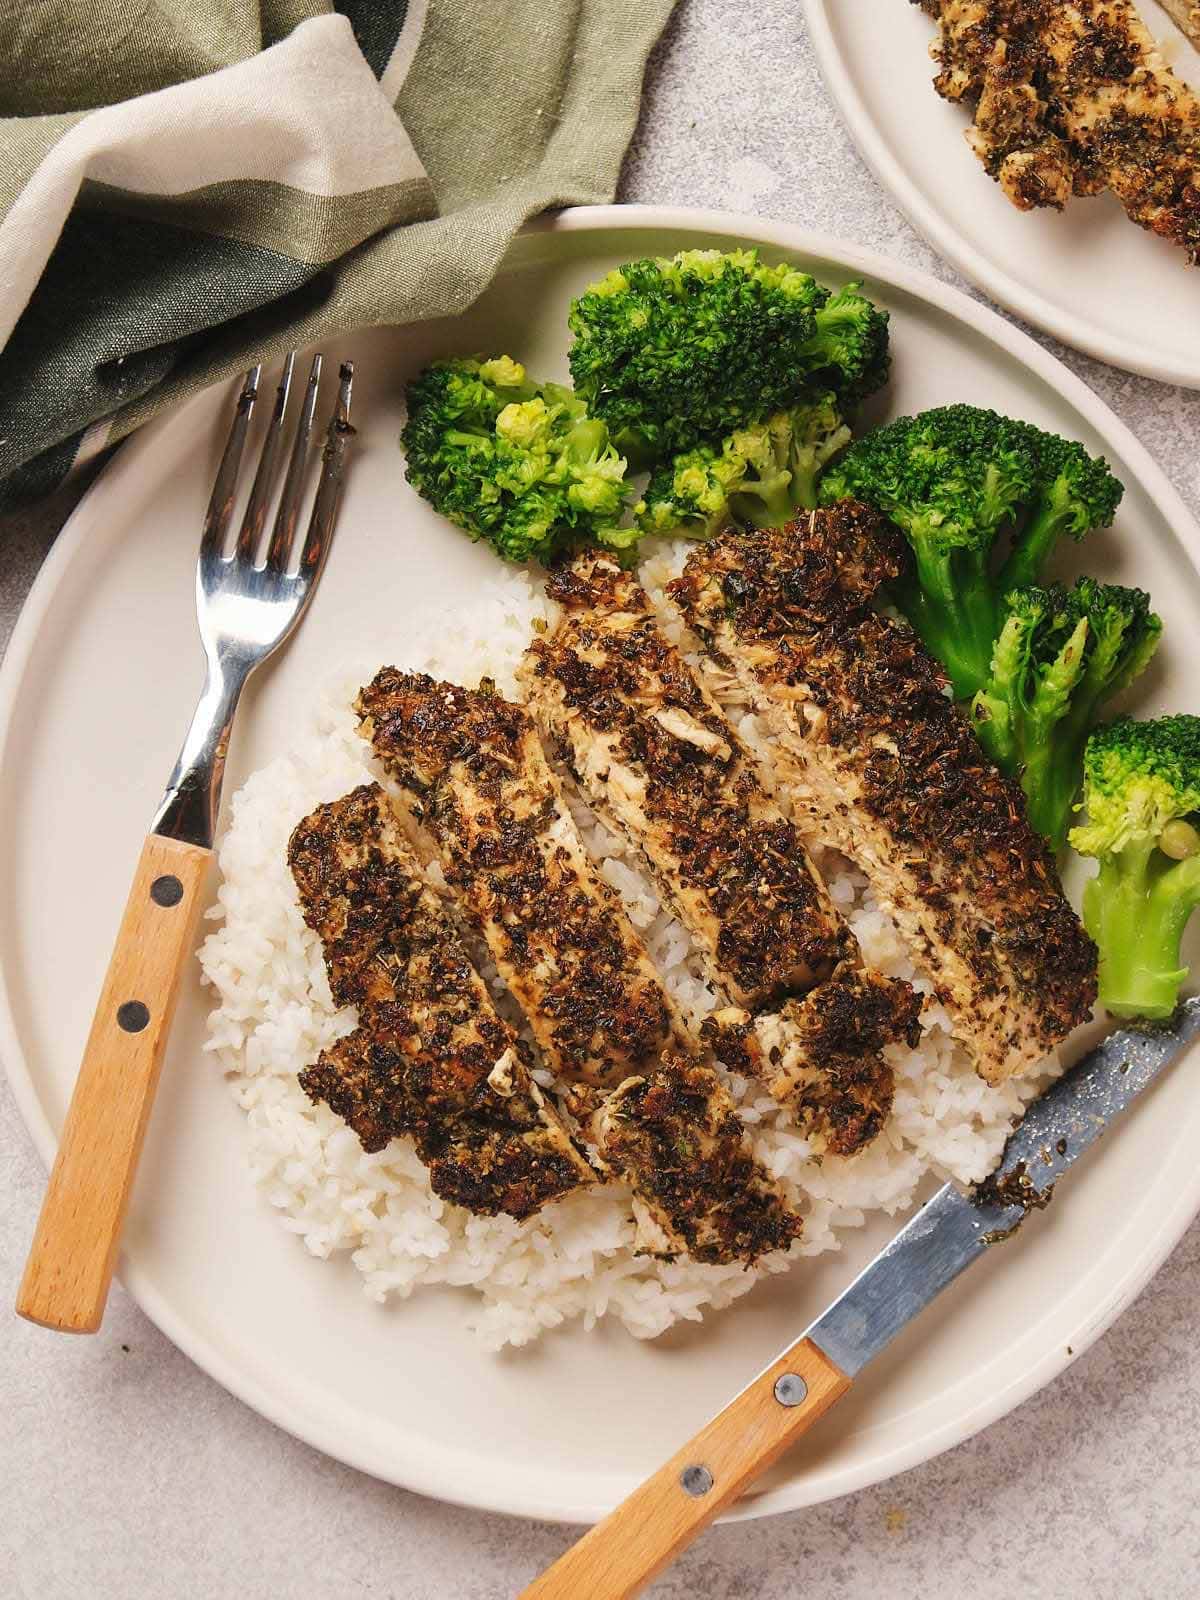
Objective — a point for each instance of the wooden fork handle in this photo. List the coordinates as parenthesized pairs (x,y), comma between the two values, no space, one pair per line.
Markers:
(648,1530)
(74,1250)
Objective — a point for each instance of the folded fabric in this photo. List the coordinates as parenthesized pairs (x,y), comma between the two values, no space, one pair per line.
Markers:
(186,189)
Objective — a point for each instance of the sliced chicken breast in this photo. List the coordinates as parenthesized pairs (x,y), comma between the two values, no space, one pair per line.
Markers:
(674,1134)
(657,756)
(430,1058)
(888,771)
(655,753)
(472,773)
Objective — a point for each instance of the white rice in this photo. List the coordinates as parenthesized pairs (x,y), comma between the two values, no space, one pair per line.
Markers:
(273,1015)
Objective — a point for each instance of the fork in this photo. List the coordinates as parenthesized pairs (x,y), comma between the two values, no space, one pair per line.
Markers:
(246,608)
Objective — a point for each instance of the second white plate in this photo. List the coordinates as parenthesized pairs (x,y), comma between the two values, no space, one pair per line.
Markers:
(1087,276)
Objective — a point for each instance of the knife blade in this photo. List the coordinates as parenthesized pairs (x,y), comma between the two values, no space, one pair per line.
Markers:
(954,1229)
(647,1530)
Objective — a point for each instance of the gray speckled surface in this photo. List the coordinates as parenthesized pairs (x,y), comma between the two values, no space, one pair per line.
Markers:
(125,1474)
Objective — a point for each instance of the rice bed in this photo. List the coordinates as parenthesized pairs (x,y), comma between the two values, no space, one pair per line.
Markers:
(575,1260)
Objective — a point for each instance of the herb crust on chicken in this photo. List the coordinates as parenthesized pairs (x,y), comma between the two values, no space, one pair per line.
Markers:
(1072,97)
(474,778)
(430,1056)
(889,772)
(658,758)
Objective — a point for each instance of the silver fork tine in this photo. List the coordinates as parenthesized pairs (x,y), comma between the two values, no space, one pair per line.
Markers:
(288,514)
(329,490)
(264,479)
(220,506)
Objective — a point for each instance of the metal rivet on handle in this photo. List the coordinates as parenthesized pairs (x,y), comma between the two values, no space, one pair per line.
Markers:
(791,1389)
(133,1016)
(696,1481)
(167,890)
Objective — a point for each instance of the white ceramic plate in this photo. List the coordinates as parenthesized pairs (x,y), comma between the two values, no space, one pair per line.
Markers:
(99,682)
(1088,276)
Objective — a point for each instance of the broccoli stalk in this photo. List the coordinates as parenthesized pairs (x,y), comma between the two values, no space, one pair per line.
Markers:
(762,495)
(1059,657)
(957,481)
(1136,909)
(676,353)
(816,433)
(760,476)
(948,599)
(1142,793)
(518,464)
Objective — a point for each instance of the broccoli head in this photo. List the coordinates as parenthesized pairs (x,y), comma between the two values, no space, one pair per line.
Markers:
(849,346)
(674,353)
(950,479)
(689,493)
(1060,656)
(959,481)
(1142,794)
(1074,494)
(759,477)
(518,464)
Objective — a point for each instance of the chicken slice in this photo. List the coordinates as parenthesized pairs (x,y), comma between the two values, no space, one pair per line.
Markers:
(1076,96)
(675,1136)
(820,1054)
(889,771)
(430,1057)
(474,776)
(654,753)
(1135,126)
(982,64)
(657,756)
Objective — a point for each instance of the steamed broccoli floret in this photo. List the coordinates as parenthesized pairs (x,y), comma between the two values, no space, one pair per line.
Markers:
(1060,655)
(518,464)
(760,476)
(950,479)
(954,480)
(1074,494)
(1142,793)
(675,353)
(849,348)
(805,439)
(689,494)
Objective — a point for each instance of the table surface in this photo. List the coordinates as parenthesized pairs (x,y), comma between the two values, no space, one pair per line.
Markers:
(126,1474)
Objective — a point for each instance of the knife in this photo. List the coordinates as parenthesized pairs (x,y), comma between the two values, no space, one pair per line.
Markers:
(647,1531)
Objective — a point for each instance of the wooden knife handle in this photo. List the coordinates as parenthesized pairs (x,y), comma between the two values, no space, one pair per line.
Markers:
(74,1249)
(648,1530)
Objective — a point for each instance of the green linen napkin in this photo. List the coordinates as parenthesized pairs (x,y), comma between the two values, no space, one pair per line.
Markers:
(188,187)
